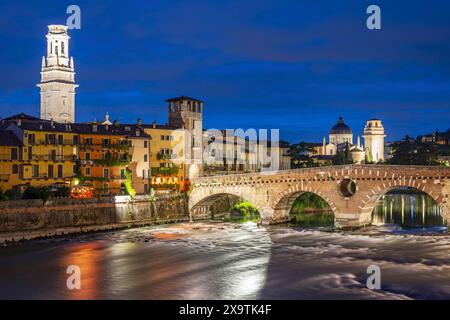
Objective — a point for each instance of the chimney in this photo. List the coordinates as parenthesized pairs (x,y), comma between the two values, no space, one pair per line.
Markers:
(94,128)
(139,122)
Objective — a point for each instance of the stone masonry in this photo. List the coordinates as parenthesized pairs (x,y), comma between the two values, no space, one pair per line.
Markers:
(273,193)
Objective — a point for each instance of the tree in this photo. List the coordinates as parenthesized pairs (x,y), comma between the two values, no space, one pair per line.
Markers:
(414,152)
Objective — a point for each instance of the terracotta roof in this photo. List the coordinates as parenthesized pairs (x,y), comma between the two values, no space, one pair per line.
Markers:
(182,98)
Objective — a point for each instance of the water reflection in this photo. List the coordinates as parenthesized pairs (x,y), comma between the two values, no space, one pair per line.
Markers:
(87,257)
(407,207)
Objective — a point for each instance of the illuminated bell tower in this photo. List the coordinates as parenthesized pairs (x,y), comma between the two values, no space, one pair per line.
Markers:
(58,78)
(374,140)
(187,113)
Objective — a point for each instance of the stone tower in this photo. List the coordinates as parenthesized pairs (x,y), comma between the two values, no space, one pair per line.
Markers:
(187,113)
(374,140)
(58,78)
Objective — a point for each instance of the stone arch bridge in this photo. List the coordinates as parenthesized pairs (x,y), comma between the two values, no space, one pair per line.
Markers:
(350,190)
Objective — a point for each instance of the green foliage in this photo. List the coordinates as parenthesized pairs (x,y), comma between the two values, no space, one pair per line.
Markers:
(12,194)
(129,183)
(299,158)
(308,201)
(245,208)
(315,219)
(112,162)
(162,156)
(2,196)
(165,171)
(343,157)
(414,152)
(42,193)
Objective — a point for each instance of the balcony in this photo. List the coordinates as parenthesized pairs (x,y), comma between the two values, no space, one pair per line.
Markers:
(163,171)
(5,156)
(55,158)
(122,146)
(65,142)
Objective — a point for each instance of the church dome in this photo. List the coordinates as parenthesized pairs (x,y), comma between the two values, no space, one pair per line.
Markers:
(340,128)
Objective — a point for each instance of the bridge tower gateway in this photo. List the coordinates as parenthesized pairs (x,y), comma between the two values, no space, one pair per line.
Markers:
(187,113)
(374,140)
(58,78)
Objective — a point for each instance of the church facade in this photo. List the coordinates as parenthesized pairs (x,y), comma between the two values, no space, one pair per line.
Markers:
(340,139)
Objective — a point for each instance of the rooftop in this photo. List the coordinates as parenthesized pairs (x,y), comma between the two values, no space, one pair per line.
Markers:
(183,98)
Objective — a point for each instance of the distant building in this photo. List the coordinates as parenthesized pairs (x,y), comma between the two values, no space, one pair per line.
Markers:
(341,138)
(441,138)
(374,140)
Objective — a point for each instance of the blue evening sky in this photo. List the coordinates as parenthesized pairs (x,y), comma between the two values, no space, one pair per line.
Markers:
(294,65)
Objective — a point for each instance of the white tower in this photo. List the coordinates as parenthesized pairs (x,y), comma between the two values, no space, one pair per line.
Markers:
(374,140)
(58,78)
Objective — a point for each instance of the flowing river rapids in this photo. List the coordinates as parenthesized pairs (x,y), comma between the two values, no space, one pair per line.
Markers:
(217,260)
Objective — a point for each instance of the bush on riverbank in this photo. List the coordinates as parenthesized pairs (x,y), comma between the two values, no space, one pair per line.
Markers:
(309,202)
(315,219)
(245,208)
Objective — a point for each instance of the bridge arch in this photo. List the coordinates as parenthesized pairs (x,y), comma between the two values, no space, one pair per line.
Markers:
(368,204)
(282,204)
(216,204)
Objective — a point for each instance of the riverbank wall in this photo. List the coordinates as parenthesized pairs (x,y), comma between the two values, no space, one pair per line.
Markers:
(31,219)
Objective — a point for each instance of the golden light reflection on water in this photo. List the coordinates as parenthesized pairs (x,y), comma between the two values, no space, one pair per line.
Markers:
(89,258)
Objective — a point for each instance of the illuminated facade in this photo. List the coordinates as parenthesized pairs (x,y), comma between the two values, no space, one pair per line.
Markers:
(47,153)
(58,78)
(112,155)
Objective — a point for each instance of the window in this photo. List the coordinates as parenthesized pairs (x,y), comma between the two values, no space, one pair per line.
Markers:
(76,140)
(35,171)
(122,174)
(106,173)
(50,171)
(60,139)
(145,144)
(163,138)
(88,156)
(106,142)
(145,158)
(14,154)
(105,187)
(31,138)
(75,169)
(146,188)
(15,169)
(87,171)
(62,48)
(60,171)
(88,141)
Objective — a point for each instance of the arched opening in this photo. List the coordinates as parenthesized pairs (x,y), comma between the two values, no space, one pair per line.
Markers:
(306,209)
(225,207)
(409,208)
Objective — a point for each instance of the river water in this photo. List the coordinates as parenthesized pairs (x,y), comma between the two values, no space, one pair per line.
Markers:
(217,260)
